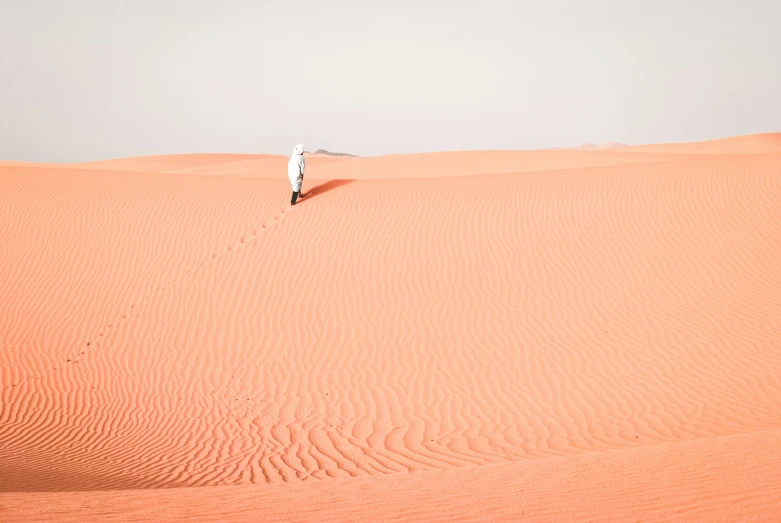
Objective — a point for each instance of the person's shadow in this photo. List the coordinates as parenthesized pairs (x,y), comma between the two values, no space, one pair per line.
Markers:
(322,188)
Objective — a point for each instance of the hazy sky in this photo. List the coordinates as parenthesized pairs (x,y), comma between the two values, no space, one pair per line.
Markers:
(93,79)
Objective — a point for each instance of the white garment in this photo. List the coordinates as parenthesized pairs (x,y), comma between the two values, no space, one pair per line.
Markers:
(295,168)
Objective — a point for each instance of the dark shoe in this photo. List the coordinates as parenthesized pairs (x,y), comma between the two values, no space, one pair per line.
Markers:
(294,198)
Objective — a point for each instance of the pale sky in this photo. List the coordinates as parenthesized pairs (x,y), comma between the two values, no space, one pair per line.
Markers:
(95,79)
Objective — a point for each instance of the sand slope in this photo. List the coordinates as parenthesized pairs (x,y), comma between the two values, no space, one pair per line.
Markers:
(546,326)
(702,480)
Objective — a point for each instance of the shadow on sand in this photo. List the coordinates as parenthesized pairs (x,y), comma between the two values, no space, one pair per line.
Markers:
(322,188)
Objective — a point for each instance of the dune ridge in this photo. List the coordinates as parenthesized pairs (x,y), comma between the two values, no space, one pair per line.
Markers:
(406,166)
(510,327)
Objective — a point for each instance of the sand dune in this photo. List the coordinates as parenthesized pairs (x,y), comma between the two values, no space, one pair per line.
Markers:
(750,144)
(576,335)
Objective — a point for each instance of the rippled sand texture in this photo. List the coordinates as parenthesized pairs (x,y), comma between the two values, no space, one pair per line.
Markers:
(536,335)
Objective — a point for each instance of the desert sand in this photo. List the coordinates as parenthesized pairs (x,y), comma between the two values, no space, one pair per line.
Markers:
(553,335)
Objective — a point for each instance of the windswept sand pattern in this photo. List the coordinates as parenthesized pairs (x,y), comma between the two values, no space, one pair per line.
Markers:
(244,241)
(80,268)
(675,481)
(386,326)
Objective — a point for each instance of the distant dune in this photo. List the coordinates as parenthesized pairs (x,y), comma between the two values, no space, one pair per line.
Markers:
(552,335)
(750,144)
(422,165)
(591,147)
(323,152)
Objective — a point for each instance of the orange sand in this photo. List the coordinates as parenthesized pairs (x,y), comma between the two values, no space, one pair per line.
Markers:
(557,335)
